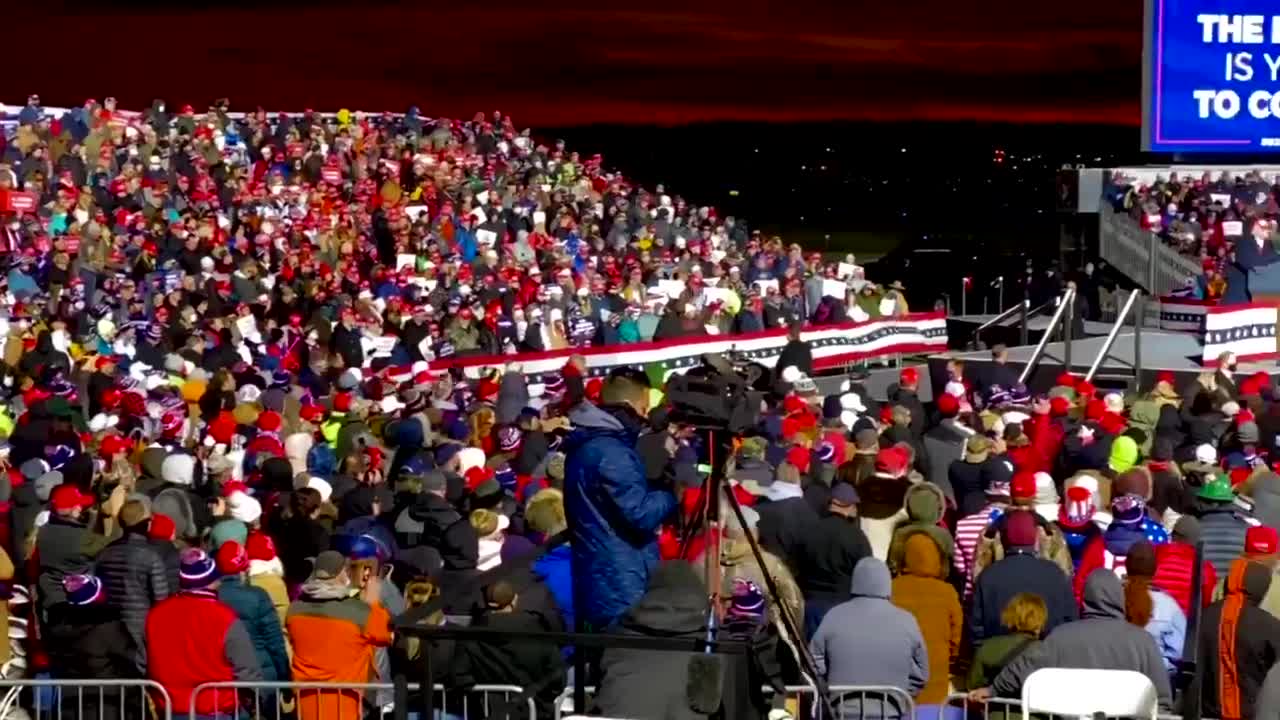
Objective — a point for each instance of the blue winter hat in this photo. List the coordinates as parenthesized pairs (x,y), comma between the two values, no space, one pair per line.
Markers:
(506,477)
(458,430)
(83,589)
(446,452)
(196,569)
(321,460)
(281,379)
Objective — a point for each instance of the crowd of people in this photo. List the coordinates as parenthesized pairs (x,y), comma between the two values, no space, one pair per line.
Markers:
(1225,221)
(236,449)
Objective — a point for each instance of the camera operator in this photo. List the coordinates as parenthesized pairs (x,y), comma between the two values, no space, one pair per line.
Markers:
(613,513)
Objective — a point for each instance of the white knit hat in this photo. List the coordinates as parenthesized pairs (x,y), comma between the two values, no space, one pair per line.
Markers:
(1114,402)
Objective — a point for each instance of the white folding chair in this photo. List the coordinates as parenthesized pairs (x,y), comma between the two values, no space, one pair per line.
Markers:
(1081,693)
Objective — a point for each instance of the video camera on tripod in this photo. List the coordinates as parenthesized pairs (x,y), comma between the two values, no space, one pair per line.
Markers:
(723,393)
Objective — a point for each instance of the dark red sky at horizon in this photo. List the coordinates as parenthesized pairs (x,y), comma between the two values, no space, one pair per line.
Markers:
(575,64)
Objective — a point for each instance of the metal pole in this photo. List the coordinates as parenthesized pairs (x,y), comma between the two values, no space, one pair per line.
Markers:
(1001,279)
(1153,244)
(428,685)
(1070,324)
(1111,335)
(964,297)
(1022,332)
(1044,340)
(1139,309)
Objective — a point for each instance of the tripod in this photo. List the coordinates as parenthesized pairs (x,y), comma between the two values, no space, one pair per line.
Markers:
(717,484)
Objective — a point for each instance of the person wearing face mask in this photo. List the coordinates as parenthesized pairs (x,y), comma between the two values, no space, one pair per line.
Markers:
(1220,384)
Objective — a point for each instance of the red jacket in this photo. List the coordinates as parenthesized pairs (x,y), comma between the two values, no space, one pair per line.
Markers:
(1174,564)
(192,638)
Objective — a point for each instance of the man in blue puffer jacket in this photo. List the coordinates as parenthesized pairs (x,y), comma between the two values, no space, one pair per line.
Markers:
(613,513)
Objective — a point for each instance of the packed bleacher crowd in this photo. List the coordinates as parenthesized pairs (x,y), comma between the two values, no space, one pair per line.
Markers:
(233,452)
(1226,221)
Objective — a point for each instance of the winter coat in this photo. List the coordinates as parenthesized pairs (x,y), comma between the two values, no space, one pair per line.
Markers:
(909,400)
(256,611)
(969,481)
(866,640)
(1222,530)
(191,639)
(1019,572)
(554,570)
(1268,704)
(995,654)
(64,547)
(511,662)
(1101,640)
(784,524)
(737,561)
(1167,626)
(90,642)
(134,579)
(798,354)
(945,445)
(675,606)
(925,504)
(1256,643)
(613,513)
(923,591)
(1175,564)
(832,548)
(269,576)
(1053,545)
(334,636)
(298,539)
(513,396)
(432,521)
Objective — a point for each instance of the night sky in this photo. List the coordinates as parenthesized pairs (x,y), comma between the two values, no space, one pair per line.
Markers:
(570,63)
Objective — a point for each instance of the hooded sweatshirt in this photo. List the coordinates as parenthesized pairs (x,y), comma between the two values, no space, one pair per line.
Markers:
(1101,640)
(1239,642)
(923,591)
(866,640)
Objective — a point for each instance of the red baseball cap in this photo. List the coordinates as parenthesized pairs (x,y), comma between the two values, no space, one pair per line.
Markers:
(800,457)
(908,376)
(68,496)
(893,461)
(1023,486)
(948,405)
(1261,540)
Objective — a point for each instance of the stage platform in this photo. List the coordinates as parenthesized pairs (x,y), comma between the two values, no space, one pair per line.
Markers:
(1179,353)
(961,328)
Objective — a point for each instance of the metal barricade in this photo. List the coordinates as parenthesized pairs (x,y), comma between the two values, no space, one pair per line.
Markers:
(853,702)
(338,701)
(1009,709)
(88,699)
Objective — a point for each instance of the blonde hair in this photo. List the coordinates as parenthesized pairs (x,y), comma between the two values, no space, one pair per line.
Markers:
(545,512)
(485,522)
(1025,613)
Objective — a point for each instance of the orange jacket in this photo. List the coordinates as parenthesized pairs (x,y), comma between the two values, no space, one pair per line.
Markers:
(333,642)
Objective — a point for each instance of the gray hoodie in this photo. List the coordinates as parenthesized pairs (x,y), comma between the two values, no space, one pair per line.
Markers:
(1101,640)
(867,640)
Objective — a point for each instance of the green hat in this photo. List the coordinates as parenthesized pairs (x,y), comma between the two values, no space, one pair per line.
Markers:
(225,530)
(1218,490)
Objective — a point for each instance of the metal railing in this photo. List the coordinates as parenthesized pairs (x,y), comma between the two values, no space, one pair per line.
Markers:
(85,699)
(342,701)
(1065,302)
(1135,298)
(1011,709)
(863,702)
(1142,255)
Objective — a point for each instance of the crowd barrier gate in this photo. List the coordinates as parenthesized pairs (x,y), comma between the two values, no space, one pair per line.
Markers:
(325,701)
(800,700)
(88,699)
(1011,709)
